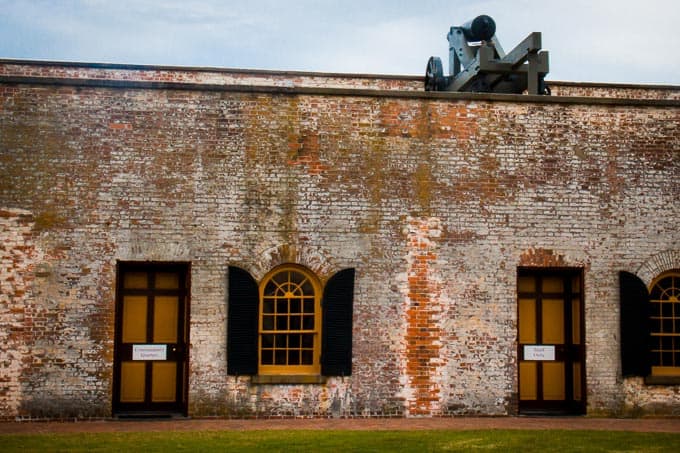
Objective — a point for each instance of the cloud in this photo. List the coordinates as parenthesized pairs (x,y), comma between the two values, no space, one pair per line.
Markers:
(604,40)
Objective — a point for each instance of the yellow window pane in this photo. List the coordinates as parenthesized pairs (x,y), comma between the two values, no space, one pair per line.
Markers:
(553,381)
(289,305)
(528,388)
(132,382)
(576,284)
(135,280)
(167,280)
(527,321)
(576,321)
(163,382)
(166,311)
(577,380)
(526,284)
(553,321)
(134,319)
(553,285)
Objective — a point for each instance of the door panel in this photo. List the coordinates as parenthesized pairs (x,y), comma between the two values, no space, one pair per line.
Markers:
(577,381)
(553,321)
(576,321)
(135,280)
(166,280)
(134,319)
(553,381)
(151,360)
(132,382)
(552,284)
(528,384)
(550,337)
(166,315)
(163,387)
(527,321)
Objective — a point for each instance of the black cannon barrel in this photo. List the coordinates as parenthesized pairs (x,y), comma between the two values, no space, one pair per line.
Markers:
(481,28)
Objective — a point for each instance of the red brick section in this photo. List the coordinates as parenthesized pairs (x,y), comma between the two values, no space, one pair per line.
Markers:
(304,150)
(120,126)
(423,335)
(541,258)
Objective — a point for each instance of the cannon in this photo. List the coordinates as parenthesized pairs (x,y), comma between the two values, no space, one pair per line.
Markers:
(478,63)
(481,28)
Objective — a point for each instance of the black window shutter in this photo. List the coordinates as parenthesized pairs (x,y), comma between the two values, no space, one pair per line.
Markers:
(635,325)
(242,323)
(336,345)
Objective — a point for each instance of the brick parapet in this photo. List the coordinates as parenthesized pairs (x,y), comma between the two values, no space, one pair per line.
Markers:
(203,76)
(192,77)
(615,90)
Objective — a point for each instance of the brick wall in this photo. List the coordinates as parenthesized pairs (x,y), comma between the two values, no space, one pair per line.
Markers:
(434,199)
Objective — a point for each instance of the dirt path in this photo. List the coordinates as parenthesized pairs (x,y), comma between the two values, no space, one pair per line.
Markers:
(462,423)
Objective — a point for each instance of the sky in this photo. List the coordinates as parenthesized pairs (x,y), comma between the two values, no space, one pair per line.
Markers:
(623,41)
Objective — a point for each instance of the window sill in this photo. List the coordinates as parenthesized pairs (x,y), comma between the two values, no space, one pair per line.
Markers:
(288,379)
(662,380)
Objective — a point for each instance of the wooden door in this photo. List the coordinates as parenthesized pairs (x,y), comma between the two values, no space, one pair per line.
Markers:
(151,355)
(551,344)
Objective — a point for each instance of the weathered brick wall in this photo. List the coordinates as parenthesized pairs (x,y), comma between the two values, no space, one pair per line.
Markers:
(614,90)
(205,76)
(17,256)
(435,200)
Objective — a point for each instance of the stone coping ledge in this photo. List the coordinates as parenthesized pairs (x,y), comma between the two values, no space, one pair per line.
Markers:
(172,68)
(292,72)
(343,92)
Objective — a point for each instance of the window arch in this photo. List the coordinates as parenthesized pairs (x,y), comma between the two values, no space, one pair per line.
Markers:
(289,324)
(664,317)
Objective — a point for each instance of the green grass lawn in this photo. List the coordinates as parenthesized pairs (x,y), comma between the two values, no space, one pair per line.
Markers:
(310,441)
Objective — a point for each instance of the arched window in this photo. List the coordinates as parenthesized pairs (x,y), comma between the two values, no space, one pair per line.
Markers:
(650,327)
(664,299)
(290,322)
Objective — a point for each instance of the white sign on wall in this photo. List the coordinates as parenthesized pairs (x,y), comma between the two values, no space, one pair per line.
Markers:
(149,352)
(539,352)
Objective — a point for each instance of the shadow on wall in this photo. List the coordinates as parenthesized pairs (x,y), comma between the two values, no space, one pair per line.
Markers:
(259,401)
(61,408)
